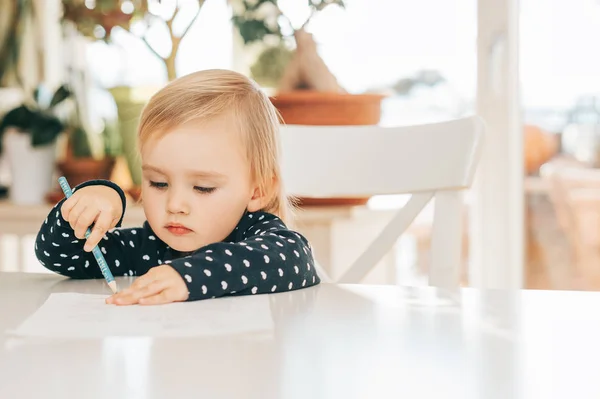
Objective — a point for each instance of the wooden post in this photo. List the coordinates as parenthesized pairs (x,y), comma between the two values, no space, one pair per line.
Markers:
(496,231)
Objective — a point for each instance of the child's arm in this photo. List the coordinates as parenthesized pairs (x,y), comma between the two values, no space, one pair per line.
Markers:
(270,258)
(59,250)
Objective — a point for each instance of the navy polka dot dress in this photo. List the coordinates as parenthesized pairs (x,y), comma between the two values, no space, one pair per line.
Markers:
(261,255)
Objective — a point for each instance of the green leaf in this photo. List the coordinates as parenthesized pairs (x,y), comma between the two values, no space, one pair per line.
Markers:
(45,129)
(112,138)
(252,29)
(248,7)
(404,86)
(19,118)
(61,94)
(270,66)
(322,4)
(81,142)
(36,94)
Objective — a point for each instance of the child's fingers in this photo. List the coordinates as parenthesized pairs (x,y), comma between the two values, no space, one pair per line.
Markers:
(138,284)
(129,298)
(67,206)
(141,281)
(73,214)
(85,220)
(101,226)
(158,299)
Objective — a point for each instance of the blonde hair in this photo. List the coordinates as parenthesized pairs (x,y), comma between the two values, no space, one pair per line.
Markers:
(207,94)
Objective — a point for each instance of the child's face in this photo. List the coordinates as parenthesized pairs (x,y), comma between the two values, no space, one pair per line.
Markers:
(197,184)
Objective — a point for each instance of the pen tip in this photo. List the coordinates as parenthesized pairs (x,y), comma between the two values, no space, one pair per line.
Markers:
(113,286)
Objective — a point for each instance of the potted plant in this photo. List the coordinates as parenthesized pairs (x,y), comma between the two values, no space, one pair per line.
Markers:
(18,30)
(14,16)
(91,148)
(306,92)
(28,135)
(81,161)
(96,20)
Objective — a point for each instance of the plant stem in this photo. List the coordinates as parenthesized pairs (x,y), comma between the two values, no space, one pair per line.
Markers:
(170,66)
(169,61)
(312,14)
(151,48)
(286,19)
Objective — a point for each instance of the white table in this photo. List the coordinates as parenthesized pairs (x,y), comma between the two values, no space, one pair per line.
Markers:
(329,341)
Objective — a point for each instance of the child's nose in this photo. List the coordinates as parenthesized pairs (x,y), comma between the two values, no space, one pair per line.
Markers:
(177,204)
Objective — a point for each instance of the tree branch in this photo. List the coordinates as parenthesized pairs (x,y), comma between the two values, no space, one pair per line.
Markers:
(200,3)
(312,14)
(287,20)
(152,48)
(170,20)
(144,6)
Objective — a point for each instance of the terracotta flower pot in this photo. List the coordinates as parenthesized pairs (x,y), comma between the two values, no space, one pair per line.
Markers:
(79,170)
(321,108)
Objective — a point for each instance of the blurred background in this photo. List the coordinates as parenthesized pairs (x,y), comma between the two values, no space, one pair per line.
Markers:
(74,75)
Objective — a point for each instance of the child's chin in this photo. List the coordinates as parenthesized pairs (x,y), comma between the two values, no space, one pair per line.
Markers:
(182,247)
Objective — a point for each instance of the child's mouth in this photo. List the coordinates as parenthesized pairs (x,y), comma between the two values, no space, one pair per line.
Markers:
(178,230)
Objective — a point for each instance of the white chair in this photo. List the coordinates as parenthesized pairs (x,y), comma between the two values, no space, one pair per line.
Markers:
(574,190)
(433,160)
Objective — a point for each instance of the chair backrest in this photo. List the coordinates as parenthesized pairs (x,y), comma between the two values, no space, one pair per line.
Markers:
(357,161)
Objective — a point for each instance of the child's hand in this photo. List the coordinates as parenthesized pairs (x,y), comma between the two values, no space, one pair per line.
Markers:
(162,284)
(100,205)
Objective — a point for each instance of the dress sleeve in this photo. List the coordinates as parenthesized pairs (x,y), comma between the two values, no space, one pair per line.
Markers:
(58,250)
(270,258)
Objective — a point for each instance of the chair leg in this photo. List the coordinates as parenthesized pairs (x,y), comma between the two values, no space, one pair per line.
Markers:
(386,239)
(446,241)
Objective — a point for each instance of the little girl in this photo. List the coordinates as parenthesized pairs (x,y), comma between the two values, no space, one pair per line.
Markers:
(212,195)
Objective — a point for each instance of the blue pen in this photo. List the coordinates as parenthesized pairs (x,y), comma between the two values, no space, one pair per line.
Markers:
(96,251)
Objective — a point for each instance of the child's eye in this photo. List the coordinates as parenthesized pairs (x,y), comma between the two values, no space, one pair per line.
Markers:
(204,190)
(158,184)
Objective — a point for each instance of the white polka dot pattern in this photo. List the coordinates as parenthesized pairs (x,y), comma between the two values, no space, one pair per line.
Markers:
(260,256)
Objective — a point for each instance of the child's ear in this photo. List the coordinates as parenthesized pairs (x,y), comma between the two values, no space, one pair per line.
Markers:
(261,196)
(257,200)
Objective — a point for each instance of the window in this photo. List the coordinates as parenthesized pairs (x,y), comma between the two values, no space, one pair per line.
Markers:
(373,44)
(129,62)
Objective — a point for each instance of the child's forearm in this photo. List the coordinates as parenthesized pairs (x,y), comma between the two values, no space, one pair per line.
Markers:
(57,248)
(275,261)
(60,251)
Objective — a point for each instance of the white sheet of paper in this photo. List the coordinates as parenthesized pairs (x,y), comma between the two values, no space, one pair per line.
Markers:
(72,315)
